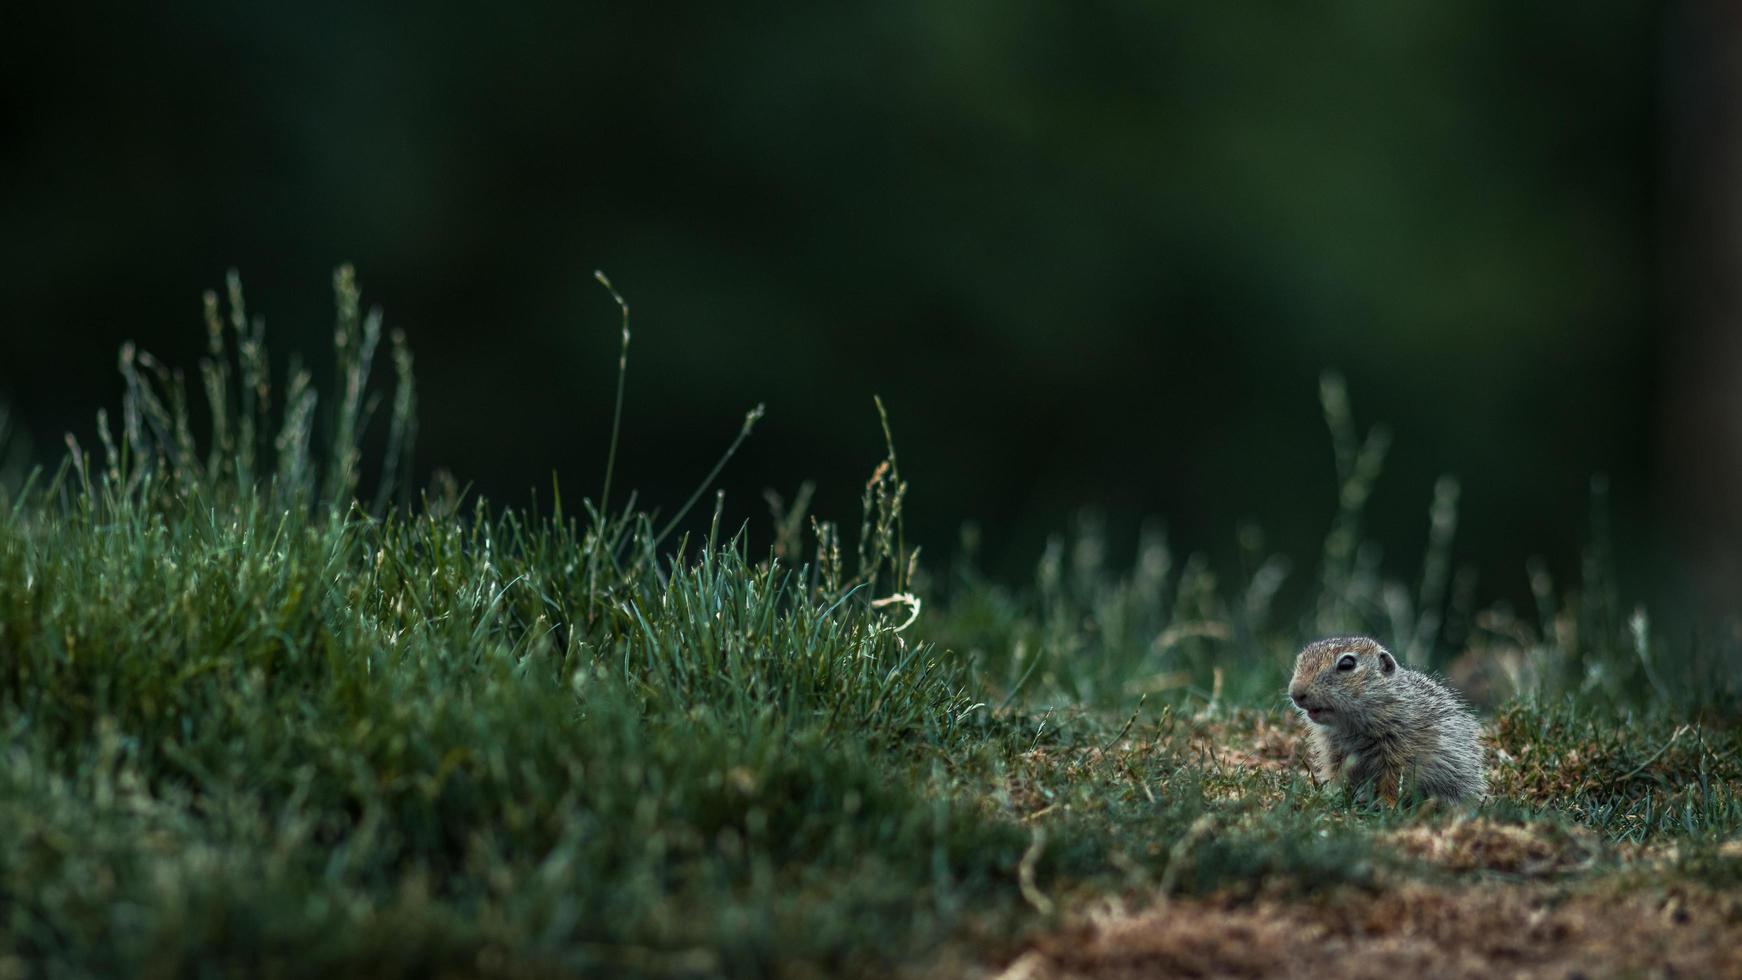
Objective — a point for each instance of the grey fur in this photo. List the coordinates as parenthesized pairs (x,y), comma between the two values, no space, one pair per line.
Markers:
(1386,727)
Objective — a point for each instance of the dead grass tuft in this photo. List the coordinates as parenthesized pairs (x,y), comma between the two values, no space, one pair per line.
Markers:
(1416,930)
(1535,849)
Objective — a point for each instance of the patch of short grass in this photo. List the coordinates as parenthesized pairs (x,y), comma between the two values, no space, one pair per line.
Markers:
(1635,777)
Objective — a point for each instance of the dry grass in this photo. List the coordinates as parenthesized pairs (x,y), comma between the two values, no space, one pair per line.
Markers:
(1417,930)
(1532,850)
(1548,757)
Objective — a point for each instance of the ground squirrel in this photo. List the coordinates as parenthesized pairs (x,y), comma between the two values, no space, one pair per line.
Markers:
(1384,726)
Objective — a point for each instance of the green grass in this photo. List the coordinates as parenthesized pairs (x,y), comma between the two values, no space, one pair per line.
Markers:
(271,711)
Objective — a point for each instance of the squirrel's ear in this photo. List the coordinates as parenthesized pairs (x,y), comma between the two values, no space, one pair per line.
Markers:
(1387,662)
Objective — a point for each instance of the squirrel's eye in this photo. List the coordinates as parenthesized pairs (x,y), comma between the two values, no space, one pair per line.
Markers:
(1347,662)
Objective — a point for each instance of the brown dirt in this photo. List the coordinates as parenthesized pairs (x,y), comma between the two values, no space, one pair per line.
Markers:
(1413,932)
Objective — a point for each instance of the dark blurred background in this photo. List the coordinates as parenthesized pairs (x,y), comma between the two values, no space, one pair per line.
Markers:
(1089,254)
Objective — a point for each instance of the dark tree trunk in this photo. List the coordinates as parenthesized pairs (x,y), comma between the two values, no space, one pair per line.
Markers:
(1701,416)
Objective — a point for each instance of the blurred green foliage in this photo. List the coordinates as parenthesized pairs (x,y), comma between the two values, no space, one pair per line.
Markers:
(1089,254)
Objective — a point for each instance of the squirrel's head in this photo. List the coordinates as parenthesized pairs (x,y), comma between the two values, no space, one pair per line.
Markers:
(1334,679)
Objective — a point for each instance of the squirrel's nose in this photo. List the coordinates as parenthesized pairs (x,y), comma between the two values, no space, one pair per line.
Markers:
(1295,696)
